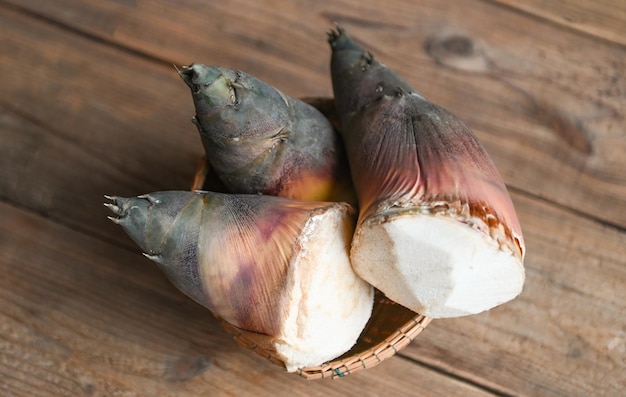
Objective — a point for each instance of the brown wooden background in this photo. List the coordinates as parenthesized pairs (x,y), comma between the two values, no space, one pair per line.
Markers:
(91,104)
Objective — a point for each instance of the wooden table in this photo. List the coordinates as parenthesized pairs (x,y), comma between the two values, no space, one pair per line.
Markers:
(90,104)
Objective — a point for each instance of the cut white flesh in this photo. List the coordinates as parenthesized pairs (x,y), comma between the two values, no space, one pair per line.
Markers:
(327,304)
(436,265)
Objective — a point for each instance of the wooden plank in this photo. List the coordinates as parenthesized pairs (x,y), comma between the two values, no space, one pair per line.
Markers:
(549,104)
(59,178)
(604,19)
(95,129)
(100,99)
(565,335)
(79,316)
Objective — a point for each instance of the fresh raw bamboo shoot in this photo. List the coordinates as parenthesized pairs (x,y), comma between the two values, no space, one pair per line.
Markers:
(259,140)
(274,266)
(437,231)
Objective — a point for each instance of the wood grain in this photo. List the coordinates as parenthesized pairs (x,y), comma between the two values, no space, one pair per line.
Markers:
(604,19)
(549,104)
(90,105)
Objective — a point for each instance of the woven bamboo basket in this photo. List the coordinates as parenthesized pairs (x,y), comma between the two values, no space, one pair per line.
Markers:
(390,328)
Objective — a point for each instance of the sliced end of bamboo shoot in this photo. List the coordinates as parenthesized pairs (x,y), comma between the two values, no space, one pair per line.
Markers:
(437,265)
(329,304)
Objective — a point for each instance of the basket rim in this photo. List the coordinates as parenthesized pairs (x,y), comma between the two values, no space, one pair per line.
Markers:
(342,366)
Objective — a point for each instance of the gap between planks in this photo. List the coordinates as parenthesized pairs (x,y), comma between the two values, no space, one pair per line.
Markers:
(553,21)
(479,383)
(86,34)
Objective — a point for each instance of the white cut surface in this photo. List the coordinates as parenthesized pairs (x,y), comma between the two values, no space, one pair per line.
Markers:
(328,305)
(435,265)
